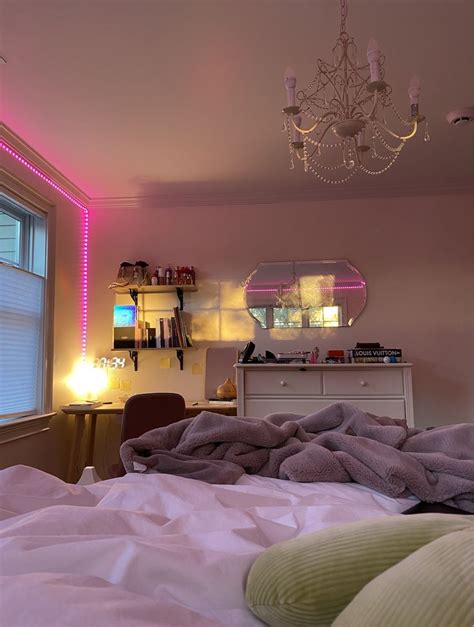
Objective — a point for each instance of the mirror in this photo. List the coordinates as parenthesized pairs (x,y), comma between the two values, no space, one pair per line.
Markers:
(305,294)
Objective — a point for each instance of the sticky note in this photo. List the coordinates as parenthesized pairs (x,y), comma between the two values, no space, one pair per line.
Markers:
(196,368)
(165,362)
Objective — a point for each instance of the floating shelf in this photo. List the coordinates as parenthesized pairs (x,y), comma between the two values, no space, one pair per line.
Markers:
(133,352)
(154,289)
(134,290)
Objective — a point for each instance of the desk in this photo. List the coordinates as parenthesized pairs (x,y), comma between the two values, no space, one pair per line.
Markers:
(116,409)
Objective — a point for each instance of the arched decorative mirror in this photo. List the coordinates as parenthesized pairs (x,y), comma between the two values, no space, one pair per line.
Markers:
(302,294)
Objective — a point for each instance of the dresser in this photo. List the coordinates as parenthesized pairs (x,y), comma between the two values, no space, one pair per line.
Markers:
(381,389)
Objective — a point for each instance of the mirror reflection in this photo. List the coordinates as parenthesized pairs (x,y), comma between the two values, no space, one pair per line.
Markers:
(302,294)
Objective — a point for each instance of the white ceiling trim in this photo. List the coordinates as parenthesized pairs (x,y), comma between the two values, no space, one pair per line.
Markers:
(29,153)
(270,197)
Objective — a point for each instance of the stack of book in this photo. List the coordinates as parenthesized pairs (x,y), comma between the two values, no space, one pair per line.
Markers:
(172,332)
(375,355)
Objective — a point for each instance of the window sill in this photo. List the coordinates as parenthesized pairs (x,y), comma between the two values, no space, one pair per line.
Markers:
(24,427)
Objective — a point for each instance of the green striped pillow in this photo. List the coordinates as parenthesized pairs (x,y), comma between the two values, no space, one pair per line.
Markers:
(310,580)
(432,587)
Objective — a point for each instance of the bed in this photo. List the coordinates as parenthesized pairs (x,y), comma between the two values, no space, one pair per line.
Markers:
(149,550)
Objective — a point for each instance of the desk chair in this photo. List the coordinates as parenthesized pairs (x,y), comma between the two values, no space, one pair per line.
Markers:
(144,412)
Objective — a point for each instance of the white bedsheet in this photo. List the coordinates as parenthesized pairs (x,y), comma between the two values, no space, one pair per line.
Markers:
(152,550)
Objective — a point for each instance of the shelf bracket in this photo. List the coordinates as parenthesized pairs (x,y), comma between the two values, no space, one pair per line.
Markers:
(180,356)
(179,293)
(134,296)
(134,358)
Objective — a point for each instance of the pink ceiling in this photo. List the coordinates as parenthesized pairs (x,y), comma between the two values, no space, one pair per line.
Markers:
(140,97)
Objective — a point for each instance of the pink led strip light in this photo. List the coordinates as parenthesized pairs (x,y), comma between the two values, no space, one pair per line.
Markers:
(85,237)
(322,288)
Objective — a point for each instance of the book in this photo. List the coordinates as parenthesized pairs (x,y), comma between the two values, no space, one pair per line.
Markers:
(376,352)
(224,403)
(375,360)
(83,405)
(174,332)
(162,333)
(179,327)
(374,355)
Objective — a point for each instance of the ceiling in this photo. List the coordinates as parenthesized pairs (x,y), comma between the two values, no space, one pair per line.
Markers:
(163,98)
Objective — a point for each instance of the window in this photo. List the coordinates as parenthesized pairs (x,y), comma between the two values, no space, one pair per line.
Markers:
(22,310)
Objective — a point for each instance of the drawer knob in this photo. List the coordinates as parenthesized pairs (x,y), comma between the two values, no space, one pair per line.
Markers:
(364,384)
(282,383)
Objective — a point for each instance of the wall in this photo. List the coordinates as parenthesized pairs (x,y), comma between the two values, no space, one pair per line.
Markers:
(416,255)
(49,450)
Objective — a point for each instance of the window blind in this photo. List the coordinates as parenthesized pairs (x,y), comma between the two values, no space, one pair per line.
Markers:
(21,342)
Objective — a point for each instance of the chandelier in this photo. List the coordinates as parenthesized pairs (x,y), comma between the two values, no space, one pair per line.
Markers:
(345,110)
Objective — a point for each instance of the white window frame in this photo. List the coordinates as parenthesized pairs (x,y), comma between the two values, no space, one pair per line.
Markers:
(18,197)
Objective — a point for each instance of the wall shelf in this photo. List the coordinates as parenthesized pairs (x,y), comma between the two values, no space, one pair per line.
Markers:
(134,290)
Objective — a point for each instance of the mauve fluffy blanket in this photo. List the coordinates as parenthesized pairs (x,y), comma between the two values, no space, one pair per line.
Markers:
(337,443)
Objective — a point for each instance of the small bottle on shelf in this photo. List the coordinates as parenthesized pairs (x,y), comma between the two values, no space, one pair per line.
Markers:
(161,275)
(154,278)
(168,275)
(175,276)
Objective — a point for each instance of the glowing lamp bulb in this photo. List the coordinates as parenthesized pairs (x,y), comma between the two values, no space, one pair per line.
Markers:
(87,382)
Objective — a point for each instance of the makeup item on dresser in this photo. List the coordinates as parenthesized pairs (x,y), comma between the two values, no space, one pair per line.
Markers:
(154,278)
(296,357)
(335,357)
(314,355)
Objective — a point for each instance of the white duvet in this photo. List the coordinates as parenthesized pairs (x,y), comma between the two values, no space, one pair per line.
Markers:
(152,550)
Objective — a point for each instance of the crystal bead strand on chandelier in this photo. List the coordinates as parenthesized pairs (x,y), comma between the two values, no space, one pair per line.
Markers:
(326,123)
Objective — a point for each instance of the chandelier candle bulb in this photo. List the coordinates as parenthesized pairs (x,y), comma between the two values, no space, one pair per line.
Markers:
(373,57)
(414,89)
(290,84)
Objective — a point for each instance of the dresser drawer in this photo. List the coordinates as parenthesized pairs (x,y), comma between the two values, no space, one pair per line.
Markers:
(286,383)
(364,383)
(260,407)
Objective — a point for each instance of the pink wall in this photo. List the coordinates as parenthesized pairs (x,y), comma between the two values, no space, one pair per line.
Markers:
(416,255)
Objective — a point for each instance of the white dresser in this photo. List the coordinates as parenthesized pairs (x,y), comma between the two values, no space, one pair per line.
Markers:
(381,389)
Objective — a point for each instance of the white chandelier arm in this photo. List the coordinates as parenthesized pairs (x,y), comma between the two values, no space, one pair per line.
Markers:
(314,127)
(403,138)
(385,144)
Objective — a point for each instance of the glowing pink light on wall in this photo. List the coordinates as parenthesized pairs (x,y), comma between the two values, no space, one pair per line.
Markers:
(84,264)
